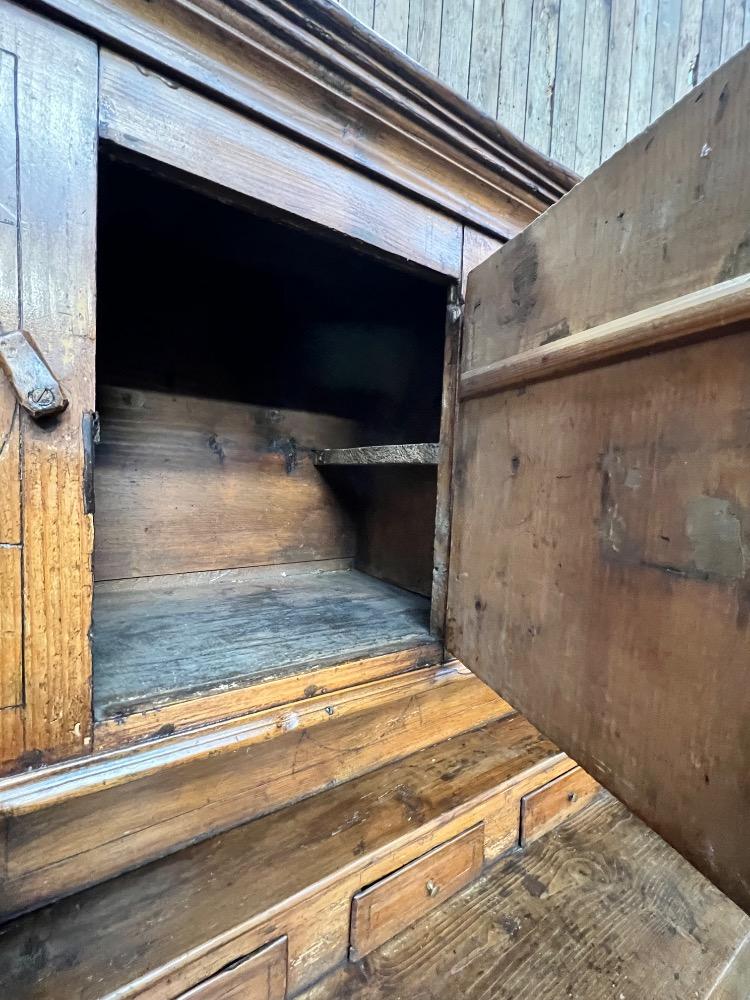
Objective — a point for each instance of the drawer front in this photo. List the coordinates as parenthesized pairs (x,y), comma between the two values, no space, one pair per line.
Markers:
(396,901)
(546,807)
(260,976)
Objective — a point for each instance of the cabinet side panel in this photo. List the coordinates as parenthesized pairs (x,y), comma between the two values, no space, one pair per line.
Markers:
(56,106)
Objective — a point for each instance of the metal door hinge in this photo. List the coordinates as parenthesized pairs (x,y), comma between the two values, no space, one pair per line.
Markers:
(37,389)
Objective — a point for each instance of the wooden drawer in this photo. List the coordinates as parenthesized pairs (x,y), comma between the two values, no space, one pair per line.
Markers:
(396,901)
(260,976)
(549,805)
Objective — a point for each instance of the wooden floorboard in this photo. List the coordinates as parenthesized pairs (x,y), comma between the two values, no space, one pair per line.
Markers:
(154,645)
(600,908)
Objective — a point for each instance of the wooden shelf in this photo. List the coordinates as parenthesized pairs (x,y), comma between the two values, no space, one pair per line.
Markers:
(157,644)
(380,454)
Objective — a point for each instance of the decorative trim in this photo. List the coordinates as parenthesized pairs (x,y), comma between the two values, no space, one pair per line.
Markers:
(312,70)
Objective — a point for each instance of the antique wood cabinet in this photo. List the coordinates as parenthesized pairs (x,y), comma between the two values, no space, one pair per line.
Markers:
(309,428)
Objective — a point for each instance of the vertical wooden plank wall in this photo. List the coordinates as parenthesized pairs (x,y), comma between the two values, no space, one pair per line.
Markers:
(575,78)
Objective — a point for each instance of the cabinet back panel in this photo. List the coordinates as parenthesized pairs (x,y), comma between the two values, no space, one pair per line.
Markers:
(186,484)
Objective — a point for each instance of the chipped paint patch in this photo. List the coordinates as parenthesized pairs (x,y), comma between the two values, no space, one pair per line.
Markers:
(715,532)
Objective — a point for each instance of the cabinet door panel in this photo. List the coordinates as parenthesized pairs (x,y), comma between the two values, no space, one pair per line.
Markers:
(600,563)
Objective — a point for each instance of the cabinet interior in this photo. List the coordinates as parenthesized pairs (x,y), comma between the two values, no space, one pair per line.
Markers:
(232,348)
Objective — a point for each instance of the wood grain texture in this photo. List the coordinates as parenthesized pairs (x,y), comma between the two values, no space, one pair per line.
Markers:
(389,905)
(172,474)
(11,629)
(384,454)
(261,976)
(154,646)
(706,310)
(181,716)
(548,806)
(157,798)
(616,497)
(135,935)
(36,388)
(56,176)
(151,116)
(600,908)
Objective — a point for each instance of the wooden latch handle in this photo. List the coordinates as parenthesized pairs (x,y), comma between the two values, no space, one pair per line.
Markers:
(37,389)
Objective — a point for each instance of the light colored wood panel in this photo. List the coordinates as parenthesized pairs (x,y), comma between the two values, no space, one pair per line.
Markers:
(641,257)
(260,976)
(385,908)
(423,42)
(712,24)
(11,627)
(385,454)
(145,113)
(732,28)
(617,91)
(546,807)
(362,9)
(10,316)
(642,67)
(340,841)
(688,47)
(593,83)
(486,47)
(602,909)
(56,108)
(172,472)
(154,800)
(568,81)
(391,20)
(541,83)
(185,715)
(514,65)
(11,738)
(455,44)
(665,56)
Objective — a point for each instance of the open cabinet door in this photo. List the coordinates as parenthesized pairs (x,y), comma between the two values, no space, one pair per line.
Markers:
(600,554)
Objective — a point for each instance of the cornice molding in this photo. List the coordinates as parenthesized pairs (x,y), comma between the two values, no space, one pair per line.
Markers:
(312,70)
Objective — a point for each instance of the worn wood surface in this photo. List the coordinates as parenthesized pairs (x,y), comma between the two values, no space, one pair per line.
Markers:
(11,627)
(386,907)
(150,115)
(49,160)
(705,310)
(546,807)
(384,454)
(372,107)
(574,78)
(601,907)
(173,473)
(154,799)
(611,606)
(261,976)
(154,646)
(298,867)
(36,388)
(181,716)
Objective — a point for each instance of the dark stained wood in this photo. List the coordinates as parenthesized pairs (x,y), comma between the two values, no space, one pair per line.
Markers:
(157,644)
(185,484)
(386,907)
(36,388)
(371,107)
(156,798)
(601,907)
(599,566)
(293,872)
(155,117)
(383,454)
